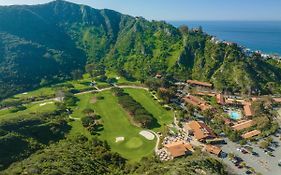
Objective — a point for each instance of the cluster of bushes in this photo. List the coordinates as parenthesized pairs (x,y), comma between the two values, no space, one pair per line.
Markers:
(21,137)
(137,112)
(71,156)
(92,121)
(82,156)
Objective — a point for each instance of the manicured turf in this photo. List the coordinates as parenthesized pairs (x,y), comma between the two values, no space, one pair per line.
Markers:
(121,80)
(85,102)
(163,116)
(117,124)
(114,118)
(36,93)
(34,108)
(78,129)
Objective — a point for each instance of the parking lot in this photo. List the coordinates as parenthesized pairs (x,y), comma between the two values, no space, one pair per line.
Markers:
(262,162)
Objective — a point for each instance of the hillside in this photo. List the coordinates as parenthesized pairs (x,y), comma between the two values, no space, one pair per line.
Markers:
(44,44)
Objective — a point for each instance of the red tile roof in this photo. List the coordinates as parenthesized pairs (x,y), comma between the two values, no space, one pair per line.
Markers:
(195,82)
(195,101)
(248,110)
(201,130)
(213,149)
(243,125)
(277,100)
(204,93)
(177,149)
(220,99)
(250,134)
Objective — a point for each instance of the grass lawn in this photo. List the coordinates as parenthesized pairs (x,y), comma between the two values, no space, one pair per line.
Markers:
(32,108)
(78,129)
(36,93)
(163,116)
(85,102)
(116,124)
(121,80)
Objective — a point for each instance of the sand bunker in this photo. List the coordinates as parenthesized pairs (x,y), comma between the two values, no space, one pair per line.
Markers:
(94,100)
(119,139)
(43,104)
(148,135)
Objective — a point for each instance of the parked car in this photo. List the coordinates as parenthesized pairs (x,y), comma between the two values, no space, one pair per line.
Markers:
(255,154)
(244,151)
(239,149)
(248,172)
(270,149)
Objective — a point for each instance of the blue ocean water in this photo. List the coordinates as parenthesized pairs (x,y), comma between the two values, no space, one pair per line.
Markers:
(256,35)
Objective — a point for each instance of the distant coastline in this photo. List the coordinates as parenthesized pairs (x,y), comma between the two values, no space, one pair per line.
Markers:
(264,36)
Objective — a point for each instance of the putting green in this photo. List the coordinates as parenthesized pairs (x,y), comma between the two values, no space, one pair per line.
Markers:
(134,142)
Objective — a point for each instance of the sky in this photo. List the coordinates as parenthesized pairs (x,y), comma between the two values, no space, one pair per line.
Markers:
(184,9)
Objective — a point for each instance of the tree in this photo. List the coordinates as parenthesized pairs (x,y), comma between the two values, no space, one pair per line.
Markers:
(77,74)
(264,144)
(231,155)
(87,121)
(60,107)
(89,69)
(88,111)
(70,99)
(183,29)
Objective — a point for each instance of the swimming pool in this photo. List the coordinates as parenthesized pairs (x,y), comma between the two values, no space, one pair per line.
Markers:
(234,115)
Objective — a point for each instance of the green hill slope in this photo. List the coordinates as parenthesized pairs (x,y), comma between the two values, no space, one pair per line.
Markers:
(43,44)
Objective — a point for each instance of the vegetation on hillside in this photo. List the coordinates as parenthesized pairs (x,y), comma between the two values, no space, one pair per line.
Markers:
(22,136)
(65,37)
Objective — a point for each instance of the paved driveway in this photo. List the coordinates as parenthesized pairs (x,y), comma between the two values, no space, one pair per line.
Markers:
(264,163)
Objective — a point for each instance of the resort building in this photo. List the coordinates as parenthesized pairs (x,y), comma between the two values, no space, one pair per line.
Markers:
(248,110)
(220,99)
(227,121)
(199,84)
(243,125)
(178,149)
(204,94)
(195,101)
(213,150)
(200,130)
(277,100)
(230,101)
(250,134)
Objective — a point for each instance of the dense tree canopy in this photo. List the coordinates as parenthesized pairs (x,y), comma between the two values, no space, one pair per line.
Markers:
(65,37)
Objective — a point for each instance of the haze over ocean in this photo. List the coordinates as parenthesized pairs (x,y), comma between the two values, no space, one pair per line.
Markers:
(256,35)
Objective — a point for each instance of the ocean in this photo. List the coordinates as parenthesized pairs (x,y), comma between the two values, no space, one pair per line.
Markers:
(256,35)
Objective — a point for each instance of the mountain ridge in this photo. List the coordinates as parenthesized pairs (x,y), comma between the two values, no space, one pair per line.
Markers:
(138,47)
